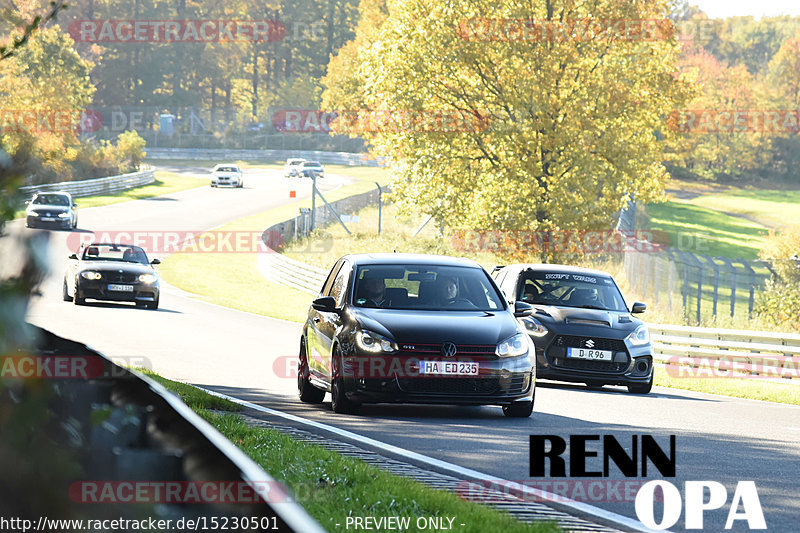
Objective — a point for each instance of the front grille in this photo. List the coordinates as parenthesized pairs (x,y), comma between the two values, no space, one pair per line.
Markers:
(584,364)
(464,350)
(576,341)
(488,385)
(117,277)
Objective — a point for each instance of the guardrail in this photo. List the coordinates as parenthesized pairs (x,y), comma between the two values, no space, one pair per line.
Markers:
(711,352)
(280,269)
(220,154)
(130,436)
(91,187)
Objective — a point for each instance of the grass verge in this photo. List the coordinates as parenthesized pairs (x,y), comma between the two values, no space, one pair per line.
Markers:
(752,389)
(332,487)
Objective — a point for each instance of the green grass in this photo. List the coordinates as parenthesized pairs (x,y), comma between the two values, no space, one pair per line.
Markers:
(165,183)
(771,208)
(192,396)
(702,230)
(244,287)
(326,246)
(752,389)
(332,487)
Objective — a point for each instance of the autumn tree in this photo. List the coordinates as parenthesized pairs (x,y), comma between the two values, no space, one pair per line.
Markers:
(542,129)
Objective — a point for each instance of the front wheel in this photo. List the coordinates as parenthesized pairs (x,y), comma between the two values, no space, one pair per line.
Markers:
(65,293)
(339,401)
(641,388)
(308,393)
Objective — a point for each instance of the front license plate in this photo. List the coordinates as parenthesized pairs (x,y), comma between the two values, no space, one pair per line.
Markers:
(121,288)
(48,219)
(449,368)
(595,355)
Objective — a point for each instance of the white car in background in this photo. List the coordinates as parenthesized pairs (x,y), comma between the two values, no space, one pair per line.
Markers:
(227,175)
(292,167)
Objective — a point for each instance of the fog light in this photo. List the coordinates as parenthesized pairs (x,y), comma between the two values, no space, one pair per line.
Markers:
(641,366)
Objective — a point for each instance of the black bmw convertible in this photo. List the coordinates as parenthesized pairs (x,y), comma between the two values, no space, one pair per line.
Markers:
(116,272)
(582,327)
(415,329)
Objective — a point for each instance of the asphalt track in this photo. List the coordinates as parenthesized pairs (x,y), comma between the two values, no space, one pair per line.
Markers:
(247,356)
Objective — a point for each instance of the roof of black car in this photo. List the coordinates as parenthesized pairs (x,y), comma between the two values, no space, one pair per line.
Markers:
(410,259)
(567,269)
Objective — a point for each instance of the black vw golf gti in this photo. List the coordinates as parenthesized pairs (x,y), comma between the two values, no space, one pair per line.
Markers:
(581,325)
(415,329)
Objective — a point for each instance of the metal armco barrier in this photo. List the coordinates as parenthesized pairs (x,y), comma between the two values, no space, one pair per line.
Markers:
(105,426)
(221,154)
(704,352)
(285,271)
(92,187)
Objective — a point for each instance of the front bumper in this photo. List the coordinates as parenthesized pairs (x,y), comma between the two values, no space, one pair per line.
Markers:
(55,223)
(631,364)
(388,379)
(98,290)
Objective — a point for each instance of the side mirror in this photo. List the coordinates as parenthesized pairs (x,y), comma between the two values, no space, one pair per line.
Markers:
(638,307)
(155,262)
(74,204)
(326,304)
(27,202)
(73,256)
(522,309)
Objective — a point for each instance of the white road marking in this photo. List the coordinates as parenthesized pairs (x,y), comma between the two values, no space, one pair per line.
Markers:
(466,473)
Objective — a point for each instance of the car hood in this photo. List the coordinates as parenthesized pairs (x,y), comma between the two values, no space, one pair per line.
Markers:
(226,174)
(422,327)
(114,266)
(576,320)
(46,207)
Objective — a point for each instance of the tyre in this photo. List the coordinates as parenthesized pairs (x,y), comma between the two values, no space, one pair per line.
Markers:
(75,223)
(641,388)
(339,401)
(64,293)
(518,410)
(76,300)
(307,392)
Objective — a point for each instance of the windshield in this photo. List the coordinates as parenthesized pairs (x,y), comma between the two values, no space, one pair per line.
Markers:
(572,290)
(227,169)
(51,199)
(110,252)
(425,287)
(311,164)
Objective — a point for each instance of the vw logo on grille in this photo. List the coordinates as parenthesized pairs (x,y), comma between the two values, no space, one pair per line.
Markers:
(449,349)
(589,343)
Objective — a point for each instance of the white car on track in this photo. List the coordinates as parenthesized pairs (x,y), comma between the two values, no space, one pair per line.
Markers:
(227,175)
(292,167)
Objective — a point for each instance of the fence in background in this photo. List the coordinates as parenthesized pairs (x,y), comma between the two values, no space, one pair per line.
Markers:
(91,187)
(710,352)
(696,283)
(281,269)
(338,158)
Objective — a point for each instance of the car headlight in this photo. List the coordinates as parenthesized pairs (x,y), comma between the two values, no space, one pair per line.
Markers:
(88,274)
(147,278)
(33,214)
(640,336)
(63,215)
(513,346)
(534,327)
(374,343)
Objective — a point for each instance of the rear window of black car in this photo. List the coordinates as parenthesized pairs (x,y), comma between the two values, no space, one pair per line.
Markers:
(425,287)
(571,289)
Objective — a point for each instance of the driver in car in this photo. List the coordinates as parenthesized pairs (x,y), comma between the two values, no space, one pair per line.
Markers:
(374,291)
(449,290)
